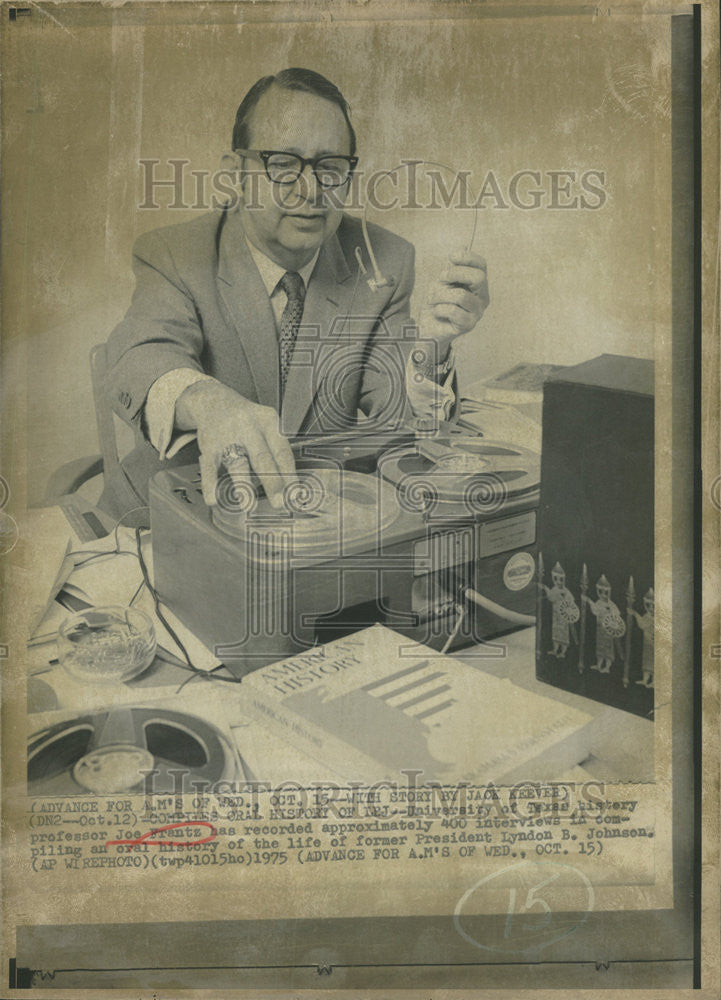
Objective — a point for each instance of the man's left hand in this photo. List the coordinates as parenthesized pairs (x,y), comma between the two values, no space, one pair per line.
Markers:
(456,301)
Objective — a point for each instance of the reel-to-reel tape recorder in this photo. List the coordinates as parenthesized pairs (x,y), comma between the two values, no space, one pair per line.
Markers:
(397,529)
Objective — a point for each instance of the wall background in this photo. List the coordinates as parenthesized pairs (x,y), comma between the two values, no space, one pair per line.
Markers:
(90,92)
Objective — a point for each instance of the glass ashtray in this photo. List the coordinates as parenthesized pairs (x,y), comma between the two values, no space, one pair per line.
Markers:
(104,645)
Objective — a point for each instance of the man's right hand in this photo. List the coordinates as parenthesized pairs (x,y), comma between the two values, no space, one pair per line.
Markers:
(222,419)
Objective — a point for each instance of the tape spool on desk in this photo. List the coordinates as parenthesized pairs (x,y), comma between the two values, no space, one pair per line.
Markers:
(110,751)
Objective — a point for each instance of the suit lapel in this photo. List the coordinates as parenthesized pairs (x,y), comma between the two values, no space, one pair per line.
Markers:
(249,309)
(328,296)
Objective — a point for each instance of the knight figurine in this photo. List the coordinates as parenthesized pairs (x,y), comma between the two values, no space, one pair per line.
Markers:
(610,626)
(565,613)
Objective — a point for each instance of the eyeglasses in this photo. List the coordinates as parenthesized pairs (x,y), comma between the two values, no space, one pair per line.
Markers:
(286,168)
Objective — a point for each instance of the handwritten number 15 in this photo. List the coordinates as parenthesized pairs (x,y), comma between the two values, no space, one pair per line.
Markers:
(532,899)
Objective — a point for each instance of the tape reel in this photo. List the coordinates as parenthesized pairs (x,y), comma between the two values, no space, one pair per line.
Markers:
(473,473)
(109,752)
(326,512)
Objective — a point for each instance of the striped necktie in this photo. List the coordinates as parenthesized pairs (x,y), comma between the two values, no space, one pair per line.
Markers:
(292,284)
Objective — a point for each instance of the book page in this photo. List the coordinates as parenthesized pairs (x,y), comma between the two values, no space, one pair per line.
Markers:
(430,716)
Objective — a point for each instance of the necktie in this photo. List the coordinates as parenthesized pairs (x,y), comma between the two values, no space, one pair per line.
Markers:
(292,284)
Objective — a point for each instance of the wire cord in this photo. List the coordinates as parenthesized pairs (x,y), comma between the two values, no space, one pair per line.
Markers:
(515,617)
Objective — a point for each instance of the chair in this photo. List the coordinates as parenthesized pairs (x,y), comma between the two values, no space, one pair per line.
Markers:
(62,490)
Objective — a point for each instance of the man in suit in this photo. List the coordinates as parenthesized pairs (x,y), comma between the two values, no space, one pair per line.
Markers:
(256,323)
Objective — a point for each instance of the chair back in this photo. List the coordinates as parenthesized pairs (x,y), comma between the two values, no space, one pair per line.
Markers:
(104,419)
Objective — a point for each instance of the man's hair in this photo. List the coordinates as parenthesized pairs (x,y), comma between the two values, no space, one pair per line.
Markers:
(305,80)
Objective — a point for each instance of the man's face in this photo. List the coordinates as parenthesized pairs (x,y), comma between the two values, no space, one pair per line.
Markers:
(290,222)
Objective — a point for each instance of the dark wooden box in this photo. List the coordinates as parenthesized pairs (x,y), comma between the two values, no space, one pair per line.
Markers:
(596,533)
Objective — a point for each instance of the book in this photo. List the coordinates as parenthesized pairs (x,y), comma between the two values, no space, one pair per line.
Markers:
(521,384)
(508,407)
(373,705)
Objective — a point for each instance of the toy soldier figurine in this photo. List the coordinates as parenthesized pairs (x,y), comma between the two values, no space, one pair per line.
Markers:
(645,623)
(565,613)
(609,626)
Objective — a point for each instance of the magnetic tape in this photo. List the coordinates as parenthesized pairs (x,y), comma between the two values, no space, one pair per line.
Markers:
(467,474)
(112,751)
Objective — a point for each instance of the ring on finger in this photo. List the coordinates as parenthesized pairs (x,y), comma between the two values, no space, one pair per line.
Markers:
(234,453)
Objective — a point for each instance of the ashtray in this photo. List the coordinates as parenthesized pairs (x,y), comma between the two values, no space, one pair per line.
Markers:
(105,645)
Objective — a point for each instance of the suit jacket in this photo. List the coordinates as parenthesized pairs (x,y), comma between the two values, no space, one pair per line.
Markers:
(199,302)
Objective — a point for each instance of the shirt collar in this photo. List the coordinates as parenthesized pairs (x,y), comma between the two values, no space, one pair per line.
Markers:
(271,273)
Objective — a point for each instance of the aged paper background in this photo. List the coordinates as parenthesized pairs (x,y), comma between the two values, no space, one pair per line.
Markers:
(90,91)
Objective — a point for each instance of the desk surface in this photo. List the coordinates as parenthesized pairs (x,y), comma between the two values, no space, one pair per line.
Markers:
(621,743)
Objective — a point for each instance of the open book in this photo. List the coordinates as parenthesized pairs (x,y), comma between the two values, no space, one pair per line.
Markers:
(374,704)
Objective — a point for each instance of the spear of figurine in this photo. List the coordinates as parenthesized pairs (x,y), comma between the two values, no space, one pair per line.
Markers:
(539,607)
(582,635)
(630,601)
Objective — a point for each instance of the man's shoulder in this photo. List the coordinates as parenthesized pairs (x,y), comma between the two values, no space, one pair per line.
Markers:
(192,236)
(383,241)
